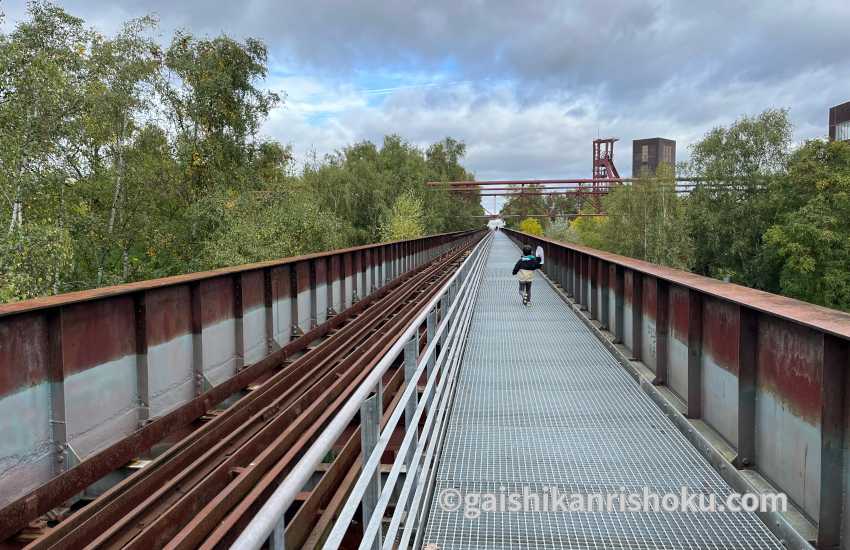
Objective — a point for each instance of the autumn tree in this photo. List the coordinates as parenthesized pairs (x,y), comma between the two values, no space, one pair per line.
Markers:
(531,226)
(405,219)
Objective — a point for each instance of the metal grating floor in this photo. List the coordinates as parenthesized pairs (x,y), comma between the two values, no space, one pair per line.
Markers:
(541,403)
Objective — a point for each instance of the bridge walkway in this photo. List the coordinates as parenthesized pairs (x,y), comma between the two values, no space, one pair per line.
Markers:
(542,407)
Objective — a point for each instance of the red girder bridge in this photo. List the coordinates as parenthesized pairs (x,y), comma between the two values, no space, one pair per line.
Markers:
(400,395)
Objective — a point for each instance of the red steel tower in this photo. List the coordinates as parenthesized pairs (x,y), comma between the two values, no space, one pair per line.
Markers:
(603,168)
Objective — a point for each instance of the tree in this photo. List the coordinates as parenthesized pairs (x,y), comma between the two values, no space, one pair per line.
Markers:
(446,211)
(122,161)
(361,183)
(589,229)
(404,220)
(119,91)
(646,220)
(531,226)
(811,236)
(562,230)
(42,75)
(275,223)
(561,207)
(525,204)
(210,90)
(728,213)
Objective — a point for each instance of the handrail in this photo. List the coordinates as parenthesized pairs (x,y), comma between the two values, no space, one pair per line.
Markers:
(459,307)
(425,476)
(270,516)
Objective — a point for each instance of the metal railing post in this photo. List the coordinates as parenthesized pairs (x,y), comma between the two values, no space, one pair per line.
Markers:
(411,352)
(431,330)
(444,306)
(278,540)
(370,418)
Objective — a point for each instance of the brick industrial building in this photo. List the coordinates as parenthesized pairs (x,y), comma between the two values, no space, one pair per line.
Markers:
(839,122)
(648,153)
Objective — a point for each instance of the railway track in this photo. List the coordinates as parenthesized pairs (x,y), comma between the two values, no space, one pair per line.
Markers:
(202,490)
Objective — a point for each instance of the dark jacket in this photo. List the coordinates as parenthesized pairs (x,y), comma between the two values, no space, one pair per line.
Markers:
(528,263)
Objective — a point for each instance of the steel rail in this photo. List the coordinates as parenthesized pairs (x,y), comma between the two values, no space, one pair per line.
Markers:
(270,516)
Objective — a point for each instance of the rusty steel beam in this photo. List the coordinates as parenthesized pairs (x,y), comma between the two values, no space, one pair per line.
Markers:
(582,190)
(747,386)
(662,332)
(472,183)
(694,365)
(45,302)
(833,482)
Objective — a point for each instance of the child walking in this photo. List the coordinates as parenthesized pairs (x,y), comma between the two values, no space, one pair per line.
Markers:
(524,271)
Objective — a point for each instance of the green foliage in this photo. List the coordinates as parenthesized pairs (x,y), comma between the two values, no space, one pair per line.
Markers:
(255,227)
(647,220)
(121,160)
(31,261)
(811,236)
(531,226)
(361,184)
(644,220)
(589,229)
(404,220)
(547,208)
(561,230)
(727,223)
(516,208)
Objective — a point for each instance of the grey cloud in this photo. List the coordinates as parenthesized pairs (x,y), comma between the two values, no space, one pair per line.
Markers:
(539,78)
(631,46)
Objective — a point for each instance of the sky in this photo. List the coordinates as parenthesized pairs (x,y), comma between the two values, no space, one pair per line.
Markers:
(526,85)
